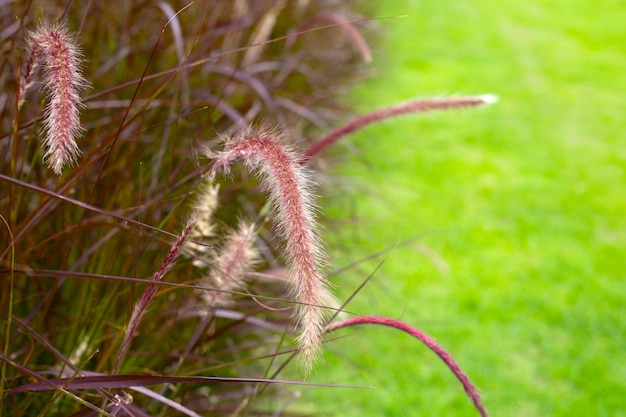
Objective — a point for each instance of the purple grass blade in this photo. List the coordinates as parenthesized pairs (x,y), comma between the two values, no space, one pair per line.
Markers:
(131,381)
(350,30)
(48,384)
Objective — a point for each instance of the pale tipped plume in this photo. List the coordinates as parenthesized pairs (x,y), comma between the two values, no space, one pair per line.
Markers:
(205,204)
(235,258)
(289,187)
(54,48)
(414,106)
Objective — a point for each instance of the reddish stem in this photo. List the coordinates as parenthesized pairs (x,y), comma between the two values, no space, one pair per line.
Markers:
(470,389)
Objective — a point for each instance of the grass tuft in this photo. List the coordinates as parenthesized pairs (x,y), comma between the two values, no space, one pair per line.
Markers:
(92,326)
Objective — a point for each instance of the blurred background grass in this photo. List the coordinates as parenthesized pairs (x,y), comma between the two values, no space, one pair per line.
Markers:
(519,209)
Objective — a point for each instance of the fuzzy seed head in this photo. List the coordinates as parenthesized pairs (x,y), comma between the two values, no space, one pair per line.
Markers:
(54,48)
(235,258)
(205,205)
(289,187)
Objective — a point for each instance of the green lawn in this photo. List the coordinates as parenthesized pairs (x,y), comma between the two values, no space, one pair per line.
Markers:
(521,269)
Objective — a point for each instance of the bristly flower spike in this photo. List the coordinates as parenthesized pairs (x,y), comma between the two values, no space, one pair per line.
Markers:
(54,48)
(151,289)
(234,259)
(414,106)
(206,203)
(289,187)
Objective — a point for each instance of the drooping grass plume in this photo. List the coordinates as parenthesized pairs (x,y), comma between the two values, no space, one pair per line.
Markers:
(415,106)
(148,295)
(54,48)
(234,259)
(289,187)
(469,388)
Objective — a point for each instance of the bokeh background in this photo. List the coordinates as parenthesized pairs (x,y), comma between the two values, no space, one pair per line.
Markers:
(505,226)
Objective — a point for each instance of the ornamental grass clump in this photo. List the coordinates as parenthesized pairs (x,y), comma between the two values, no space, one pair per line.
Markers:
(106,308)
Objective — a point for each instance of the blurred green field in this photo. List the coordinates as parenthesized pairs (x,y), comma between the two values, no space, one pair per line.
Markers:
(520,270)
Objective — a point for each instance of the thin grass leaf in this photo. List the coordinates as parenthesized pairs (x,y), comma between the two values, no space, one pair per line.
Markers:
(131,381)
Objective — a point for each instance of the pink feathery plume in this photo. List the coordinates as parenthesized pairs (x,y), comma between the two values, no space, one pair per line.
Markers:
(234,259)
(289,187)
(54,48)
